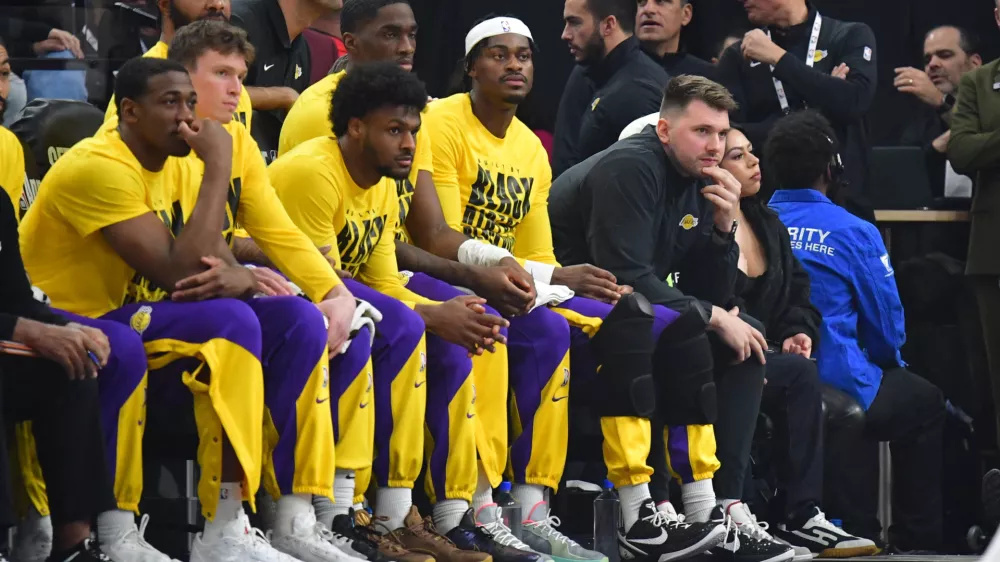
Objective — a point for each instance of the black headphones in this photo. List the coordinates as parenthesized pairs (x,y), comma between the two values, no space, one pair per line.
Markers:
(836,170)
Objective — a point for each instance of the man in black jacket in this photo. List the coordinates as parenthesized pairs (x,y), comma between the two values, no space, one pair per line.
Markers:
(802,59)
(613,84)
(655,204)
(49,376)
(658,26)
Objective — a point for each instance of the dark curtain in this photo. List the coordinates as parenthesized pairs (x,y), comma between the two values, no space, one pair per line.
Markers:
(899,27)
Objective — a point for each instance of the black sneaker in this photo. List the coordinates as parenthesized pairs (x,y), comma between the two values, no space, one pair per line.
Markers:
(469,536)
(354,542)
(658,537)
(824,538)
(745,544)
(991,497)
(87,551)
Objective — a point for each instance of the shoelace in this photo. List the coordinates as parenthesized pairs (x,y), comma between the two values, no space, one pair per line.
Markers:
(822,521)
(429,531)
(92,548)
(364,524)
(329,536)
(141,539)
(753,528)
(502,534)
(548,526)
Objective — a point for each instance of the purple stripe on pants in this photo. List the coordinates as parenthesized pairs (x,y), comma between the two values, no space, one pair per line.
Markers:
(396,336)
(118,379)
(449,366)
(344,369)
(293,339)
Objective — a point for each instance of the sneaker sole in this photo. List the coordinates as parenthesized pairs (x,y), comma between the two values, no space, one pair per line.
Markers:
(849,552)
(565,559)
(710,541)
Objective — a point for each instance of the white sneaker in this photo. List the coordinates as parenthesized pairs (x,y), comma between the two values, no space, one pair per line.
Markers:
(132,546)
(826,539)
(33,542)
(239,542)
(310,541)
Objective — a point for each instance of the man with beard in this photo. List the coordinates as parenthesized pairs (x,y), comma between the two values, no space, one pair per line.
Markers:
(613,84)
(949,52)
(658,26)
(802,59)
(175,14)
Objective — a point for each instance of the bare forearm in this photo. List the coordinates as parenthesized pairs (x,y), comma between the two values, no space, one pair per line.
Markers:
(247,251)
(271,98)
(202,235)
(414,259)
(442,242)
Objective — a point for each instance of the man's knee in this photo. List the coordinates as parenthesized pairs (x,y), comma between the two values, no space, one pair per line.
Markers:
(400,324)
(127,362)
(683,364)
(291,319)
(226,316)
(624,349)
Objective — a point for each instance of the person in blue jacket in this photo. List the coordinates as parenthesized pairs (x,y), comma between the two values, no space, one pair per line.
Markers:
(854,288)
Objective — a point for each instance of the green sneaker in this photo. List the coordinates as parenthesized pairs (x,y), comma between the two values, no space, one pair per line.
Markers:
(541,535)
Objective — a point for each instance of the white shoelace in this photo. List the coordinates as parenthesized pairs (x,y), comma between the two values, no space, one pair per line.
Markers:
(329,536)
(502,534)
(658,519)
(821,521)
(548,526)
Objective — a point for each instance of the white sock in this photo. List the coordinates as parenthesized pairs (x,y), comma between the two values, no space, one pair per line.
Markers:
(448,514)
(324,511)
(394,505)
(725,504)
(290,505)
(699,500)
(343,491)
(484,492)
(359,507)
(36,524)
(631,498)
(229,509)
(529,496)
(112,525)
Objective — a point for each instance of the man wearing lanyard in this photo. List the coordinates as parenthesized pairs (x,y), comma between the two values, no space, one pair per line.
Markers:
(801,59)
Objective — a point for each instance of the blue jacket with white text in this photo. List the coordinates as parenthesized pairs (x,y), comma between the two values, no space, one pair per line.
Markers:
(853,286)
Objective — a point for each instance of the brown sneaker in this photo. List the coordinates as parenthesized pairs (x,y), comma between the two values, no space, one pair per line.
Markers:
(419,535)
(389,550)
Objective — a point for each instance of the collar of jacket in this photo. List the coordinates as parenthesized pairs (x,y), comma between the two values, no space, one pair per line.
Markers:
(799,196)
(795,33)
(601,72)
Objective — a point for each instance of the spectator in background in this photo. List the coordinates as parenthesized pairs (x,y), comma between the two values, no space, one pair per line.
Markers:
(949,52)
(863,329)
(726,42)
(790,64)
(974,148)
(325,43)
(37,38)
(658,26)
(613,84)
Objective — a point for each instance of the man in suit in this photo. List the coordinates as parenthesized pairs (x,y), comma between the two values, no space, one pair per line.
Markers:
(974,150)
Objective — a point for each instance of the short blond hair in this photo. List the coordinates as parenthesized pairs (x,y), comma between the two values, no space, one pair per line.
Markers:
(686,88)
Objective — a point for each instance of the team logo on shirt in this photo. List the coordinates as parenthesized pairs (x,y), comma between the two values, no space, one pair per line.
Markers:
(868,54)
(358,239)
(423,361)
(499,200)
(820,55)
(298,71)
(141,318)
(887,264)
(688,222)
(593,104)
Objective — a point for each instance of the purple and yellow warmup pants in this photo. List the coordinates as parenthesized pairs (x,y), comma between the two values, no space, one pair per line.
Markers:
(545,346)
(290,443)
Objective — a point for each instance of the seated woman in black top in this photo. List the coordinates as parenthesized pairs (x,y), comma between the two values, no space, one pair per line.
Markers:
(772,287)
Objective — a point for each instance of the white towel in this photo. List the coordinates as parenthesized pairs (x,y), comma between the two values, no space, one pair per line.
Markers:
(551,294)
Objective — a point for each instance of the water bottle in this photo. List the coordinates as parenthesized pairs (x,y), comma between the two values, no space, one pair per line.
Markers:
(606,514)
(510,510)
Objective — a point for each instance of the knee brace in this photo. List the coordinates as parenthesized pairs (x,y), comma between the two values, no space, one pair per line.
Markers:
(624,350)
(683,367)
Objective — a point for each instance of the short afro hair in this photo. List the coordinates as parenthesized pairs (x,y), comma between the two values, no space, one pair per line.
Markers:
(132,81)
(799,149)
(197,38)
(371,86)
(357,13)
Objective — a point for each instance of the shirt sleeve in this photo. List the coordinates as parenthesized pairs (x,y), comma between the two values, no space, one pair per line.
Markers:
(533,237)
(16,298)
(729,74)
(265,219)
(445,152)
(971,148)
(381,271)
(881,326)
(843,100)
(104,192)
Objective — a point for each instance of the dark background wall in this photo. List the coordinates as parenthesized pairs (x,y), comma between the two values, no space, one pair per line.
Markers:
(899,27)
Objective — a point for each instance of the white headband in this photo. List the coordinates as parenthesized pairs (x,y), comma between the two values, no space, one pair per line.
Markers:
(494,27)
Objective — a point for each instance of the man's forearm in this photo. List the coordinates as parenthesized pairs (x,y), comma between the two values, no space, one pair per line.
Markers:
(414,259)
(247,251)
(266,99)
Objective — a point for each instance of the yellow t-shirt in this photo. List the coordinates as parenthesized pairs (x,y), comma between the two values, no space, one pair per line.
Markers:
(12,168)
(253,205)
(492,189)
(319,194)
(96,184)
(309,118)
(244,110)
